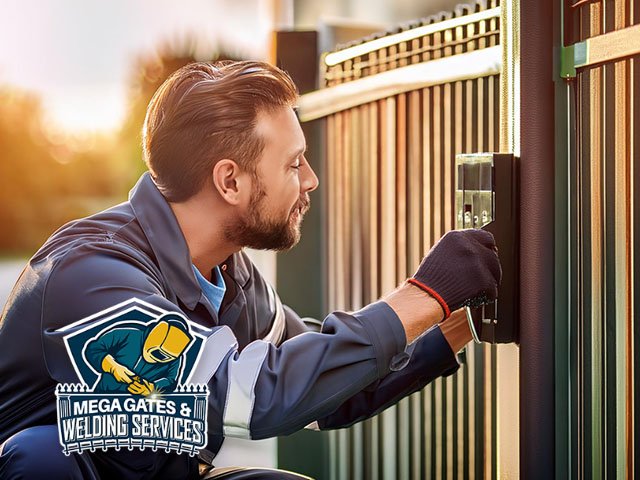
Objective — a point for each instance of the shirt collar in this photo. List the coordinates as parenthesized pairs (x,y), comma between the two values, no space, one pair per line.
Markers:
(167,241)
(169,246)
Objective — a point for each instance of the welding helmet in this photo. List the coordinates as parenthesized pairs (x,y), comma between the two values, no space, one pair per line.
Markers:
(167,339)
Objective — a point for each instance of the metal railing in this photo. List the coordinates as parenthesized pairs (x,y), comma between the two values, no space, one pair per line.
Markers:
(398,108)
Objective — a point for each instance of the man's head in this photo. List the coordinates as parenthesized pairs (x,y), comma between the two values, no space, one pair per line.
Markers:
(230,127)
(167,339)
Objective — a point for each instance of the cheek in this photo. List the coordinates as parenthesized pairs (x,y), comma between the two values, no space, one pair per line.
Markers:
(289,191)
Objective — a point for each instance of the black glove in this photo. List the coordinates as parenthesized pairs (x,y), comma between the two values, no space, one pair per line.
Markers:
(461,269)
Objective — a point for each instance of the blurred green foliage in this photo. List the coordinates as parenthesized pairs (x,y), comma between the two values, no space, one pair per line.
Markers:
(48,178)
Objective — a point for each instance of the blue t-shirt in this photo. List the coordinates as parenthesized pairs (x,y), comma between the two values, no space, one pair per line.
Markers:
(213,290)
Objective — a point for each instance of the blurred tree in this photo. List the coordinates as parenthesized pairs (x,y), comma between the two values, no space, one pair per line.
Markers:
(48,177)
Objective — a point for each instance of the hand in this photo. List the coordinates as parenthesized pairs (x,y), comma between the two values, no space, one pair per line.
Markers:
(141,387)
(461,269)
(121,373)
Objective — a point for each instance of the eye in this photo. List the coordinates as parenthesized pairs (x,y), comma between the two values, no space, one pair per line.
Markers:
(296,165)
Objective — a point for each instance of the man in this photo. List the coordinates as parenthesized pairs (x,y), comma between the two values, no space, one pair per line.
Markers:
(227,170)
(140,359)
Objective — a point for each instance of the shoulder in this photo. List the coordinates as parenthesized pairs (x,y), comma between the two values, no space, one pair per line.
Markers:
(94,275)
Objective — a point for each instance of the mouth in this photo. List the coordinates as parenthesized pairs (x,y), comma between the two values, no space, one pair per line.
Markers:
(301,208)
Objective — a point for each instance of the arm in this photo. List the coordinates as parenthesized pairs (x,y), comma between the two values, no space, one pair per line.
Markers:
(431,356)
(259,392)
(264,390)
(108,343)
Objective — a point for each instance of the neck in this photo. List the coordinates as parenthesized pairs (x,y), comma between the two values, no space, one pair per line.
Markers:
(203,229)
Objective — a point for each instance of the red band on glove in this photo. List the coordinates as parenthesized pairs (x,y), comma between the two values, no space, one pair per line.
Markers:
(434,294)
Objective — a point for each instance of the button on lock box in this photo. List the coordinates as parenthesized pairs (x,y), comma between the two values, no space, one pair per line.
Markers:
(486,196)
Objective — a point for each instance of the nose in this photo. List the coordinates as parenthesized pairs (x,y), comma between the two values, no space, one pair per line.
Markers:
(308,181)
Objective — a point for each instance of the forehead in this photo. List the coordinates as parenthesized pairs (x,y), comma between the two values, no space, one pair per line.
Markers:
(280,130)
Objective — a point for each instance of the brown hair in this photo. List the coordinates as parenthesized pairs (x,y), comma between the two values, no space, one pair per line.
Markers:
(206,112)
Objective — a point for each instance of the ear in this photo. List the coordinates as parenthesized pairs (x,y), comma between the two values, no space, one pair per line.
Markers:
(230,181)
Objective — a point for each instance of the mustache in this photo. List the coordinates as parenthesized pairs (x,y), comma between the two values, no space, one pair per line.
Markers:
(303,204)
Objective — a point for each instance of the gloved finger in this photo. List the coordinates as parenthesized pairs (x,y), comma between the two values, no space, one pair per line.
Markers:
(135,388)
(148,384)
(496,269)
(124,376)
(483,237)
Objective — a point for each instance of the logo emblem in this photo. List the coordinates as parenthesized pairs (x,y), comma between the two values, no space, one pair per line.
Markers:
(134,362)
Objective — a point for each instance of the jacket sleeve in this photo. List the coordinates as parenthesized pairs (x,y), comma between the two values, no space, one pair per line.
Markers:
(430,357)
(263,390)
(109,343)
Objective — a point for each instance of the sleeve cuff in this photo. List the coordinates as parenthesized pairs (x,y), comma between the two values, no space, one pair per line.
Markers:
(434,348)
(386,333)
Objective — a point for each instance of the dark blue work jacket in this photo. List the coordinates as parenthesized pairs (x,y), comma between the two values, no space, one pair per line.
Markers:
(273,379)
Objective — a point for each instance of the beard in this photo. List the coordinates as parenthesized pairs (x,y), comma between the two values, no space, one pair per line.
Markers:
(258,231)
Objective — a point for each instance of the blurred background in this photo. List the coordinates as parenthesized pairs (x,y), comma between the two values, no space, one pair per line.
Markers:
(76,77)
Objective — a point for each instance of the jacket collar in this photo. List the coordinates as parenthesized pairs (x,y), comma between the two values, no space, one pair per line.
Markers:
(169,246)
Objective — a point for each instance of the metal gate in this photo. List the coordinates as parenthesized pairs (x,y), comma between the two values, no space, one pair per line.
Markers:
(398,109)
(603,240)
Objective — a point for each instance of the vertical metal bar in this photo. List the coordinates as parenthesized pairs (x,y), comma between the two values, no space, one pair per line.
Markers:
(596,256)
(375,257)
(537,238)
(367,205)
(467,122)
(624,322)
(507,124)
(634,246)
(568,275)
(484,378)
(414,186)
(476,352)
(375,206)
(493,129)
(339,194)
(387,246)
(610,347)
(330,218)
(634,455)
(585,276)
(400,132)
(367,199)
(459,458)
(427,168)
(401,188)
(355,165)
(437,207)
(488,417)
(438,390)
(414,232)
(369,194)
(447,210)
(622,262)
(332,253)
(427,195)
(403,436)
(331,257)
(417,421)
(343,257)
